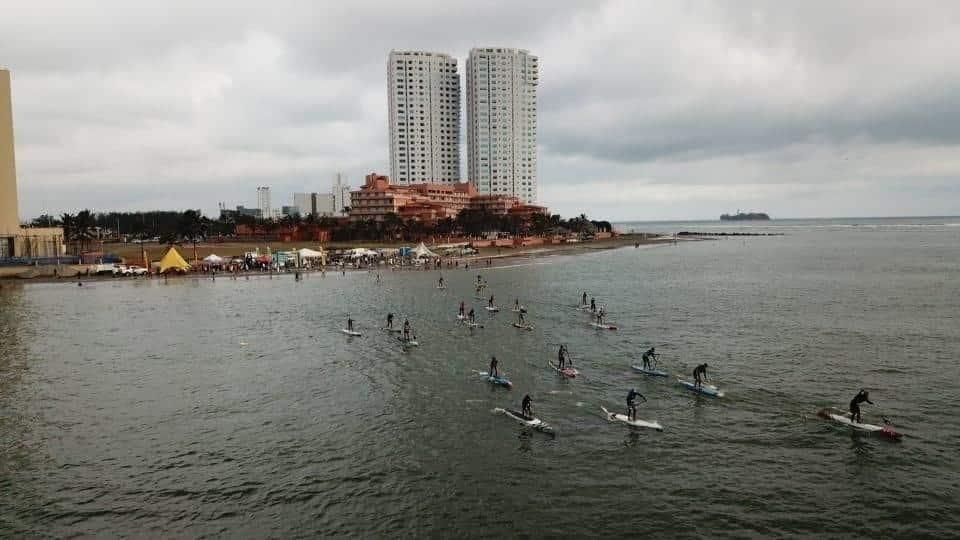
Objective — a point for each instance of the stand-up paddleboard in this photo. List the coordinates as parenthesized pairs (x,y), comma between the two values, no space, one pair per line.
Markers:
(521,309)
(494,308)
(843,418)
(461,317)
(350,332)
(528,421)
(705,389)
(615,417)
(652,371)
(394,330)
(408,342)
(441,288)
(522,326)
(583,307)
(599,326)
(479,298)
(498,380)
(473,325)
(566,371)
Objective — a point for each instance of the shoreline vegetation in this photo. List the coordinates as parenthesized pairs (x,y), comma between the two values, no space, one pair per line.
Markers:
(485,258)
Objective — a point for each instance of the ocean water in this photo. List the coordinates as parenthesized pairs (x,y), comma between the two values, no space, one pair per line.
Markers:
(236,407)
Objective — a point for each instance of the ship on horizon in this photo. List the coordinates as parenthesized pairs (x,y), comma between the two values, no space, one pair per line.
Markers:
(750,216)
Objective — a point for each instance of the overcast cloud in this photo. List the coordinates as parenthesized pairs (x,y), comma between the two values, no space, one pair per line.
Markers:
(660,110)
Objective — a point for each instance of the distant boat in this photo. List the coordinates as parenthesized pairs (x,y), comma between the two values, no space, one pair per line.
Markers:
(740,216)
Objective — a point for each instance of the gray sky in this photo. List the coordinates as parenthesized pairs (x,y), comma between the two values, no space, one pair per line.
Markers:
(659,110)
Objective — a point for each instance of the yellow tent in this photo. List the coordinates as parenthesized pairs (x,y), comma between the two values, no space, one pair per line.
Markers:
(173,261)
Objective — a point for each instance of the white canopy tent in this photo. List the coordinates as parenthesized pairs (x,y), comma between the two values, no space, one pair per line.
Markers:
(422,251)
(363,252)
(306,253)
(213,259)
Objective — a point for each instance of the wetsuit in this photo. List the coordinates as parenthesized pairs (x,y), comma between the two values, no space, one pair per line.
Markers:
(525,408)
(494,372)
(390,320)
(471,317)
(561,356)
(461,308)
(490,302)
(699,374)
(647,356)
(350,324)
(406,330)
(583,300)
(593,305)
(631,403)
(520,318)
(861,396)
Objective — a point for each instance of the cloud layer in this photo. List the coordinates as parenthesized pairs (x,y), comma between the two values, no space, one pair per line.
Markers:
(648,110)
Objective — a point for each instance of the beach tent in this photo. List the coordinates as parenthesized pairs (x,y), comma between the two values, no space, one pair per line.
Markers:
(213,259)
(173,261)
(310,254)
(422,251)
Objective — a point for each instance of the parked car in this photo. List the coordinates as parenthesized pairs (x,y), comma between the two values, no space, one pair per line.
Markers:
(120,270)
(135,270)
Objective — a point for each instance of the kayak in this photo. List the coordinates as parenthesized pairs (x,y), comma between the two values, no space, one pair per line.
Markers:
(494,308)
(615,417)
(528,421)
(566,372)
(843,418)
(408,342)
(498,380)
(523,326)
(396,330)
(705,389)
(350,332)
(651,372)
(603,326)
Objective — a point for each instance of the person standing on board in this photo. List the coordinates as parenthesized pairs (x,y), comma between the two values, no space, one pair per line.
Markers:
(525,406)
(593,305)
(494,372)
(406,329)
(516,304)
(861,396)
(583,299)
(462,308)
(440,283)
(390,321)
(349,323)
(699,375)
(632,396)
(652,353)
(520,319)
(490,301)
(471,316)
(600,316)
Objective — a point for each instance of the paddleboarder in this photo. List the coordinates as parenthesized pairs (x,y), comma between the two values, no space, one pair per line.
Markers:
(632,396)
(494,372)
(462,308)
(652,353)
(471,317)
(525,406)
(699,375)
(861,396)
(349,324)
(390,321)
(406,330)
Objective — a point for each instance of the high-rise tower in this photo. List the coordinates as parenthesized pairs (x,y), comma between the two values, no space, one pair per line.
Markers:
(9,211)
(424,108)
(502,121)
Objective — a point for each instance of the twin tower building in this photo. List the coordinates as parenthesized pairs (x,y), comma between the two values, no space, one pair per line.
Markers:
(501,128)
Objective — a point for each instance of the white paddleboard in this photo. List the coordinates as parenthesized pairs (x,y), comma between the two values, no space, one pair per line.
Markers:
(615,417)
(350,332)
(534,423)
(488,308)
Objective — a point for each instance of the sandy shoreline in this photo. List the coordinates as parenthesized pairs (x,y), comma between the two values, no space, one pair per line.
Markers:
(495,256)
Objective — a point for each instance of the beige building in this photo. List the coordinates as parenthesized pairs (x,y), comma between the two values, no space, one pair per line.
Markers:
(14,240)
